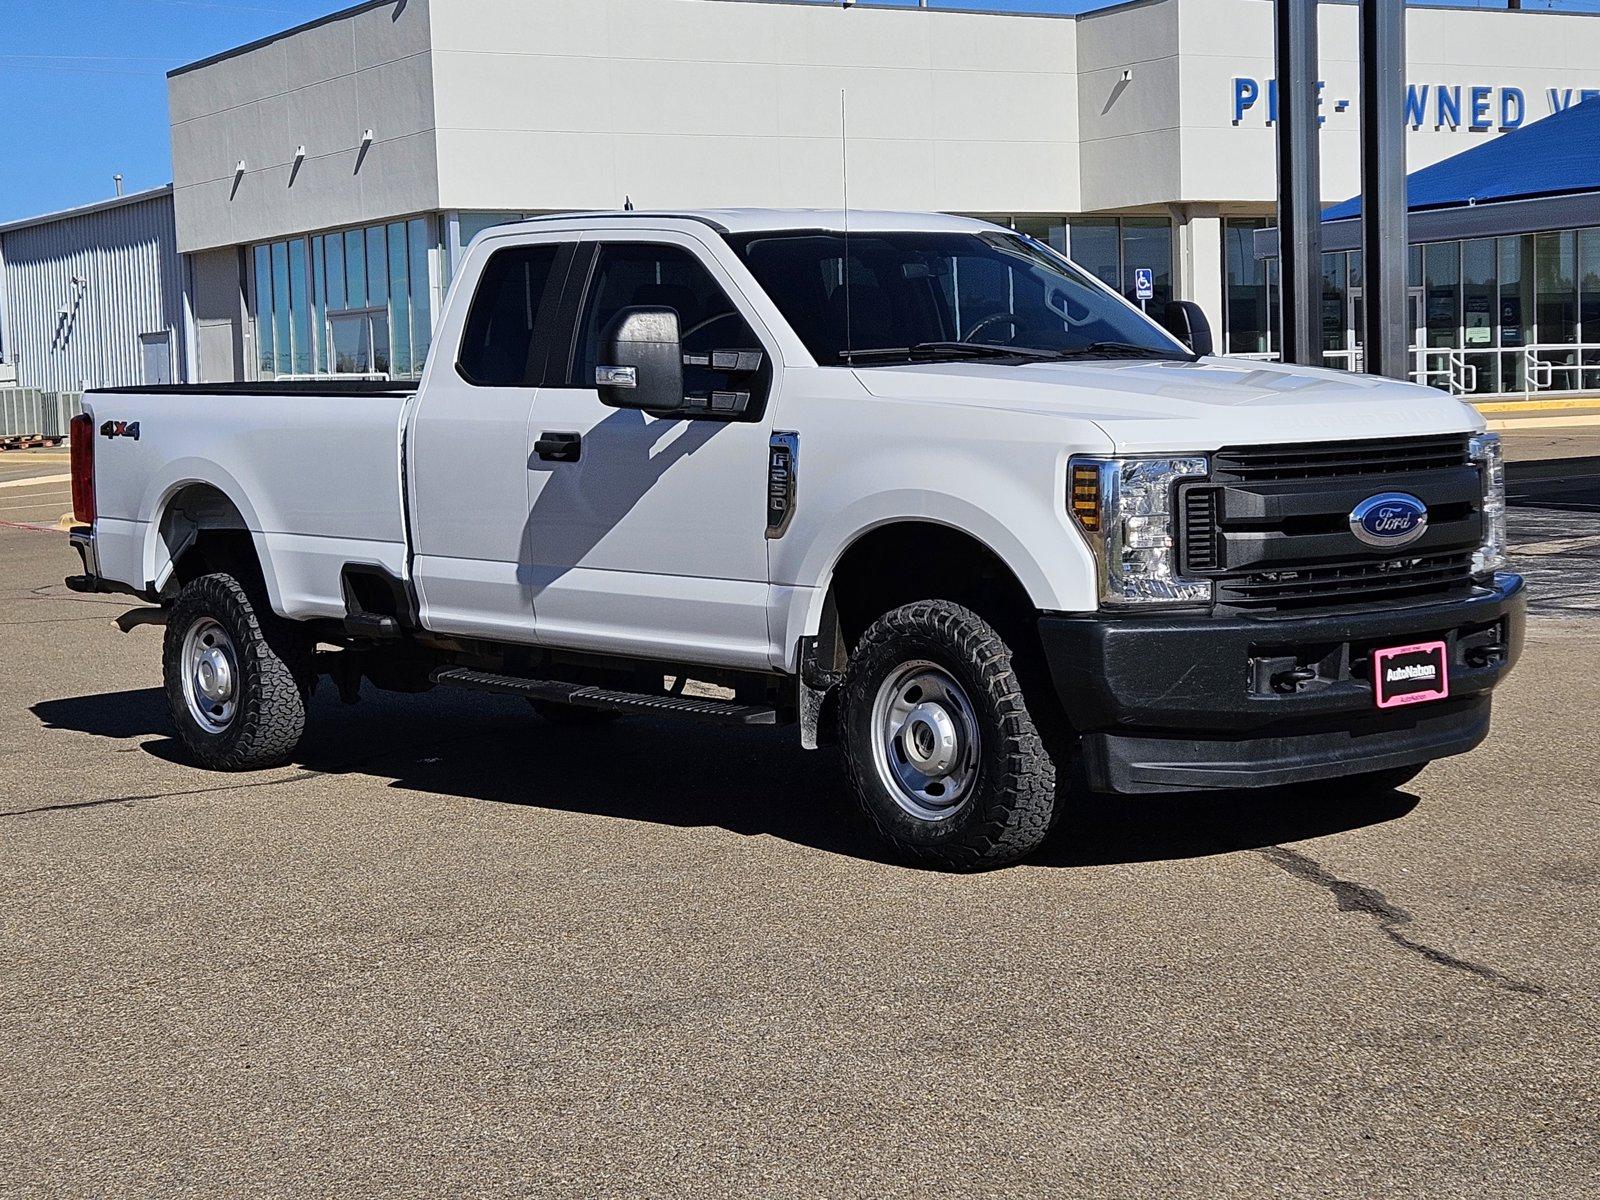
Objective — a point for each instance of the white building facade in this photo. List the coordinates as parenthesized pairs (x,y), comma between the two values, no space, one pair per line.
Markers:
(326,179)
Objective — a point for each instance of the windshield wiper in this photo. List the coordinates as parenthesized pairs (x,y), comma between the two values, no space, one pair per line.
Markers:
(934,351)
(1125,350)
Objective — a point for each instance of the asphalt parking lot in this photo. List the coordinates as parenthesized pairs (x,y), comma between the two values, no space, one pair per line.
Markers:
(452,950)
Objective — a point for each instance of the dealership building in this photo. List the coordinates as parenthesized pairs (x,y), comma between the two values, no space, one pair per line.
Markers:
(327,179)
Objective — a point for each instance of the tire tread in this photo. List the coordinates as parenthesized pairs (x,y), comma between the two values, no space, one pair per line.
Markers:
(1017,807)
(275,676)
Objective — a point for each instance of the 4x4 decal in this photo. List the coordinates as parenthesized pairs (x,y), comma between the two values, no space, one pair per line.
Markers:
(116,429)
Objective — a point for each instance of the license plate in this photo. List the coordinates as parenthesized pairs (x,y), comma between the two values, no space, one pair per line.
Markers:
(1411,674)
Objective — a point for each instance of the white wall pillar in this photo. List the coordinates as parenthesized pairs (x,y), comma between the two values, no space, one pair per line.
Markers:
(1200,266)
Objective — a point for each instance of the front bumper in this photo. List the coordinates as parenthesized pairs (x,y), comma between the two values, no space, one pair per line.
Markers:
(1169,702)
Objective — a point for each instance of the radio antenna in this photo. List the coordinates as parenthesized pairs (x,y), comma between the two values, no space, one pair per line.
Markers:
(844,172)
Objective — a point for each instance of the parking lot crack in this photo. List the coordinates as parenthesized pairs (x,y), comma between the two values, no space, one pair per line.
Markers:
(1390,917)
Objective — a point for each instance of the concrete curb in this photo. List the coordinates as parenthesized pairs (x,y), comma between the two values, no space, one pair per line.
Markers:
(1534,407)
(1554,421)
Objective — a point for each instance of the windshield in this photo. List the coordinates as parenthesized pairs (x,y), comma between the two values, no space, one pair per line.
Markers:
(942,295)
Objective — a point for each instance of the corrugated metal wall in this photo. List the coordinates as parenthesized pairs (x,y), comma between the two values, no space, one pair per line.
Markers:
(128,282)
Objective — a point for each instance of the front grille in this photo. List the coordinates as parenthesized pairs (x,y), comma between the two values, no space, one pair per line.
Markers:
(1200,530)
(1331,584)
(1339,460)
(1271,526)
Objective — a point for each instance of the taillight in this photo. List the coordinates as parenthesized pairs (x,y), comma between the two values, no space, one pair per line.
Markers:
(81,434)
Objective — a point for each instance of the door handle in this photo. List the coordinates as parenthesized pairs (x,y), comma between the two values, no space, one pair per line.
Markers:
(559,447)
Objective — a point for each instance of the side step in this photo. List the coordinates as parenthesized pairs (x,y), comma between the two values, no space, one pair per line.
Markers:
(588,696)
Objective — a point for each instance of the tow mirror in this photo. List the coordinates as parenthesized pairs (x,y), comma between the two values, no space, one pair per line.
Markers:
(1186,321)
(642,356)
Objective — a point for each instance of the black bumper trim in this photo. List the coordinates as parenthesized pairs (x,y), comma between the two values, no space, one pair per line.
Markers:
(1172,701)
(1134,763)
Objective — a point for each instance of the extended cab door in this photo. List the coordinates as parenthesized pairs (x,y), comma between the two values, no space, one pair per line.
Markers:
(468,446)
(651,541)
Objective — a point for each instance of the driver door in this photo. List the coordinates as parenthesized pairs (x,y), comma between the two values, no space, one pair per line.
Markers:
(652,541)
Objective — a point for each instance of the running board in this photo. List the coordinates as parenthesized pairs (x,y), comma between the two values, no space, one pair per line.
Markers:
(586,695)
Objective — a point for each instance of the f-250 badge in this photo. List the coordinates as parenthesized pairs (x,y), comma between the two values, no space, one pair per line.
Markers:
(783,465)
(116,429)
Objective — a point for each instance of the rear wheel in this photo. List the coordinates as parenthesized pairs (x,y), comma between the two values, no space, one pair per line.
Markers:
(944,756)
(237,676)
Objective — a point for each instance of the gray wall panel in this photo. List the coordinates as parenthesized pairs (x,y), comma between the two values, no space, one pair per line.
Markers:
(129,282)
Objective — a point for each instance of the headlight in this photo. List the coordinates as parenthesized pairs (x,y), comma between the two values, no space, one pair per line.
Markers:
(1490,457)
(1125,507)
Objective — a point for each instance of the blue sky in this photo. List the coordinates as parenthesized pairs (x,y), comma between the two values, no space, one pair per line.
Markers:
(83,89)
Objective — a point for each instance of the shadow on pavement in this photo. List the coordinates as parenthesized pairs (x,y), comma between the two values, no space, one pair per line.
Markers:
(755,782)
(1559,484)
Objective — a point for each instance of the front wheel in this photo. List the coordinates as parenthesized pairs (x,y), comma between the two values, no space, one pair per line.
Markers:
(943,754)
(237,677)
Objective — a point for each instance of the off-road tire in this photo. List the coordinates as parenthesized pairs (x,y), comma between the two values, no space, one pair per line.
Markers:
(571,715)
(1007,813)
(274,676)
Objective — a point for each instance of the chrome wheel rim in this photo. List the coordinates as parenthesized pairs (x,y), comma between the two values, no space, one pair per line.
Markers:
(210,668)
(925,741)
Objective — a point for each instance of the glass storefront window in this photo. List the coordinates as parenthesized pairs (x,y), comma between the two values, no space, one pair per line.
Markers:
(265,363)
(1247,308)
(1589,303)
(1051,233)
(474,223)
(1506,315)
(1557,294)
(1113,248)
(1479,300)
(400,301)
(355,268)
(300,307)
(358,301)
(1335,304)
(319,301)
(1441,267)
(282,348)
(421,292)
(1478,292)
(1147,243)
(1096,248)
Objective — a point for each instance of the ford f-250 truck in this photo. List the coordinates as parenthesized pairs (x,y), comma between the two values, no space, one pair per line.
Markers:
(915,484)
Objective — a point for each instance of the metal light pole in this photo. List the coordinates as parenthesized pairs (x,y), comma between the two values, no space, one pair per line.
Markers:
(1299,180)
(1384,242)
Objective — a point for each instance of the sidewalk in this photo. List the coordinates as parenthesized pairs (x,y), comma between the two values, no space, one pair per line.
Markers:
(1570,412)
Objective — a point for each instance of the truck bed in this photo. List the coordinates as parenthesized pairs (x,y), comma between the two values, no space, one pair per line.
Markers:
(312,468)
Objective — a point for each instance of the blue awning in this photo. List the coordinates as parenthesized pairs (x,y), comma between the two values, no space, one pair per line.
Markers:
(1552,157)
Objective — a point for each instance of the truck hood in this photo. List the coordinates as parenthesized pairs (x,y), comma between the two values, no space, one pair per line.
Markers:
(1160,406)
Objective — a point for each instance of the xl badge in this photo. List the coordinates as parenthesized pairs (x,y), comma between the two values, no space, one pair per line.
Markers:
(1390,520)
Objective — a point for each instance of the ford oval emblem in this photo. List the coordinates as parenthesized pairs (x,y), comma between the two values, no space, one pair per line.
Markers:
(1390,520)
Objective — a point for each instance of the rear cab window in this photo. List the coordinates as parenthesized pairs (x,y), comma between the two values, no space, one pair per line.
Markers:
(509,328)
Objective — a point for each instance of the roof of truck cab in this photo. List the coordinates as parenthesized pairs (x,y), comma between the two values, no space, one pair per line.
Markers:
(771,220)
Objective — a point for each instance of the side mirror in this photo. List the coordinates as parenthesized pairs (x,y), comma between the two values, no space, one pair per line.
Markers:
(641,361)
(1186,321)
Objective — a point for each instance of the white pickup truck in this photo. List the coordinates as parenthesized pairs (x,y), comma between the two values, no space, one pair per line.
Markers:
(915,484)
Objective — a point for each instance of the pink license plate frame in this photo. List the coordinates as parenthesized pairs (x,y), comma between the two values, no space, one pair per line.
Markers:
(1414,658)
